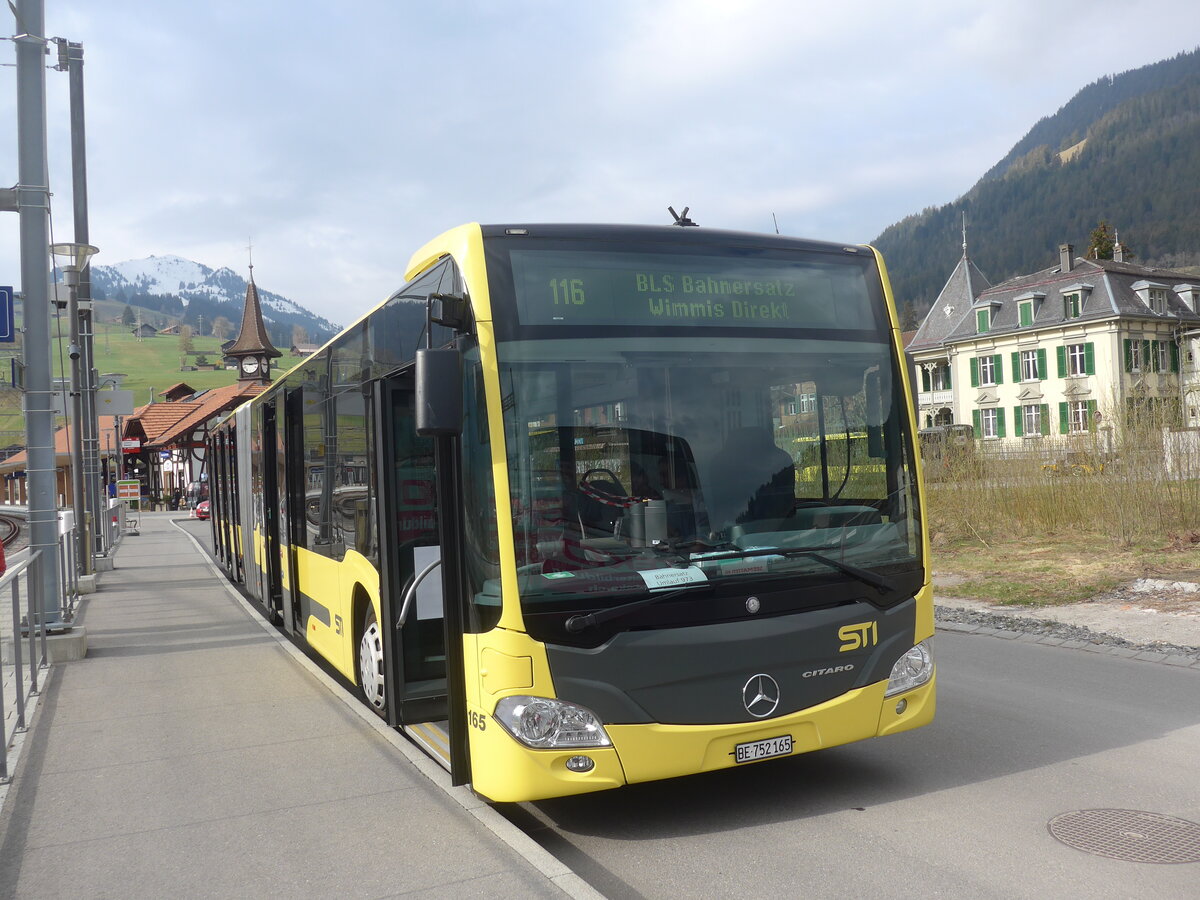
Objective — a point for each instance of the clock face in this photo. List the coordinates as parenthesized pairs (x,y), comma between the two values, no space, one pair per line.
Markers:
(249,365)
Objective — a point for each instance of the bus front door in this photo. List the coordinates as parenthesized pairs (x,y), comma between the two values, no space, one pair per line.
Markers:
(410,568)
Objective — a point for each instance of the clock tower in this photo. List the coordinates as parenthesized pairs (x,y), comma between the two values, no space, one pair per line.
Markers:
(253,350)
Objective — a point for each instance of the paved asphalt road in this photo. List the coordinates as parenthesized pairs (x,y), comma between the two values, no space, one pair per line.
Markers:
(1024,732)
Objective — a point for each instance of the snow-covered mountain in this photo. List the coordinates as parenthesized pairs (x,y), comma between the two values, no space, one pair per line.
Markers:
(191,290)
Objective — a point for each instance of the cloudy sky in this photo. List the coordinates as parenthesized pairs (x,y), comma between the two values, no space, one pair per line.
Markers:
(339,137)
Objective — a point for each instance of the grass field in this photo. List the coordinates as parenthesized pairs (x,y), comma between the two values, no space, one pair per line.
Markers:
(1019,534)
(150,365)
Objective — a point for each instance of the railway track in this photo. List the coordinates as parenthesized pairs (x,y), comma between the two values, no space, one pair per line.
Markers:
(10,529)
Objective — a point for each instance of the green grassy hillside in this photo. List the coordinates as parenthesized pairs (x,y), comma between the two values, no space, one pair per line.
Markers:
(151,365)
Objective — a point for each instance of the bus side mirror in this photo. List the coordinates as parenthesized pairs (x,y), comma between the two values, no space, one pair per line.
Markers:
(439,392)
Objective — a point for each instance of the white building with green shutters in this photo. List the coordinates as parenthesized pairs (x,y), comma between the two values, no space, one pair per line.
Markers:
(1060,351)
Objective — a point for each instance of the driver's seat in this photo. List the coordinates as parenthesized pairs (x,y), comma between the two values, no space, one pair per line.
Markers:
(595,518)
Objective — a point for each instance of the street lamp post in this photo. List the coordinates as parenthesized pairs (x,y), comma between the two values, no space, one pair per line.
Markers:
(74,258)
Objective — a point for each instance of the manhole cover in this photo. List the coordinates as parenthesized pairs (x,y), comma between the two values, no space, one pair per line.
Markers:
(1129,834)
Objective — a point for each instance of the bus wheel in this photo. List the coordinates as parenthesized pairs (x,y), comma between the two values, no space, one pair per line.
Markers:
(370,662)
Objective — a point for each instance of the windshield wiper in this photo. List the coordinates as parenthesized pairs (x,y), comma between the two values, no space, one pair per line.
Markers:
(576,624)
(866,576)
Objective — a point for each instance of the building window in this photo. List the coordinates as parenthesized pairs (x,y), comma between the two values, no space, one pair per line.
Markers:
(1078,415)
(1025,313)
(987,370)
(1077,359)
(1072,306)
(1029,365)
(939,378)
(983,320)
(1158,300)
(989,423)
(1133,355)
(808,403)
(1164,356)
(1031,416)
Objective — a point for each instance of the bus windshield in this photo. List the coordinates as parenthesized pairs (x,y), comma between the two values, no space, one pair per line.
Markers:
(642,464)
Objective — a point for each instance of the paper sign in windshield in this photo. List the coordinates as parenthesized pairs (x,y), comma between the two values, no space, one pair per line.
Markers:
(663,579)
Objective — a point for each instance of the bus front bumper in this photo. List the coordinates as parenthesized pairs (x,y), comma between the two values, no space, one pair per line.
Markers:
(507,772)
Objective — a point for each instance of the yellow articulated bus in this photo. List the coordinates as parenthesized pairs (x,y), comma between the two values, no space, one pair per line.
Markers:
(545,507)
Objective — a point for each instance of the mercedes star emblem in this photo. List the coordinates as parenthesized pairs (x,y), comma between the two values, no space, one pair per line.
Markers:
(761,695)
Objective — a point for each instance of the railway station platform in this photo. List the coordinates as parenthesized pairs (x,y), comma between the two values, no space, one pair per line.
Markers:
(196,752)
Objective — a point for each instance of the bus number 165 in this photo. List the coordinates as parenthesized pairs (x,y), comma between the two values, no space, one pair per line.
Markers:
(567,291)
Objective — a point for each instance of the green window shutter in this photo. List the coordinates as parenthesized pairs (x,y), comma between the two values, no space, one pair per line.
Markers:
(1060,354)
(981,320)
(1174,356)
(1153,356)
(1018,422)
(949,384)
(1128,355)
(975,423)
(1064,418)
(975,374)
(1043,373)
(997,367)
(924,378)
(1091,415)
(1089,358)
(999,421)
(1016,366)
(1026,314)
(1045,418)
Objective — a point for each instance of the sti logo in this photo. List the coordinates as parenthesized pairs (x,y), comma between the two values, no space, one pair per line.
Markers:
(864,634)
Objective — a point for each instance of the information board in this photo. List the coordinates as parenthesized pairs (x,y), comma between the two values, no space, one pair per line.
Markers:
(129,490)
(7,331)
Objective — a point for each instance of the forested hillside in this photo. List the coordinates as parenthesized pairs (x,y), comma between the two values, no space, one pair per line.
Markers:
(1125,149)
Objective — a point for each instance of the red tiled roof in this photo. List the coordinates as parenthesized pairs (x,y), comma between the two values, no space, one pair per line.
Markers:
(157,419)
(62,446)
(208,406)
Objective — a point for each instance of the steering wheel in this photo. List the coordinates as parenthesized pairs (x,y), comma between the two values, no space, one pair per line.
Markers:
(599,494)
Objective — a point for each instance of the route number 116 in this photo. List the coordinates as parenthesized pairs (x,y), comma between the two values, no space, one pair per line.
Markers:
(567,291)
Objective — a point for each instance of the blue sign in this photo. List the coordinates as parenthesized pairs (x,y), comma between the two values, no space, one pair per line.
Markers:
(7,332)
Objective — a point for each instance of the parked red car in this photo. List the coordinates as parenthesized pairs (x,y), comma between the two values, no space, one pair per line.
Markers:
(202,510)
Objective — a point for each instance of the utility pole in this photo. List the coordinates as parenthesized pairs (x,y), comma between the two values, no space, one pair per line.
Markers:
(70,58)
(33,205)
(76,259)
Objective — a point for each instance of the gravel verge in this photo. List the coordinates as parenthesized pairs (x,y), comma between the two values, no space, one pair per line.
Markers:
(953,617)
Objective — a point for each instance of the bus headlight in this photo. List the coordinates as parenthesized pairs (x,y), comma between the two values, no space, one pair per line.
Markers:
(911,670)
(546,724)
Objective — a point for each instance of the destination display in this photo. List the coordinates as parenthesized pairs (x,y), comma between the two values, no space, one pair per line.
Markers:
(556,287)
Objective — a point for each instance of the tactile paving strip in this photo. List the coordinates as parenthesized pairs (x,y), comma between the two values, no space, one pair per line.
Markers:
(1129,834)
